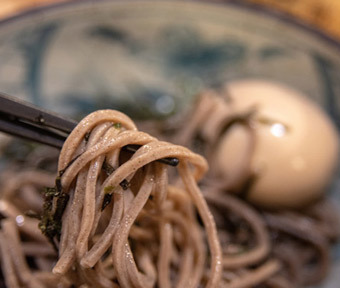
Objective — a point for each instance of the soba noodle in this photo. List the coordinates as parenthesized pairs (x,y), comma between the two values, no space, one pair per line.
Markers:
(285,248)
(120,219)
(114,218)
(21,243)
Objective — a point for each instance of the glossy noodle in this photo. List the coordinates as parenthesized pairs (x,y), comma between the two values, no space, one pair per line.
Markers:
(118,219)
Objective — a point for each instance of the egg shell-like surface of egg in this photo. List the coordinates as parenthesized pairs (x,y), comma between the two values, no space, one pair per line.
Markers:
(296,144)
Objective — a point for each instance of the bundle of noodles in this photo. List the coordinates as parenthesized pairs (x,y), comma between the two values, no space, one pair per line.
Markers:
(261,248)
(26,256)
(115,221)
(122,224)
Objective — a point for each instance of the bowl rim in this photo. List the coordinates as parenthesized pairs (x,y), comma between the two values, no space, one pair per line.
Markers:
(282,16)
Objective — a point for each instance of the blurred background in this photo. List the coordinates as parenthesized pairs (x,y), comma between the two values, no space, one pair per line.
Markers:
(323,14)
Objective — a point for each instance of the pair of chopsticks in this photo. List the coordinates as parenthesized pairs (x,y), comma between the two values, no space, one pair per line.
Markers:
(22,119)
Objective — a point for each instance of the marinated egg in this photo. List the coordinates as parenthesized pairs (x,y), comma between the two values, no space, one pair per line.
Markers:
(296,145)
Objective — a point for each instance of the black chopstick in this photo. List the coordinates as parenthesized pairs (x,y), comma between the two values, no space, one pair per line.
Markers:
(24,130)
(24,111)
(22,119)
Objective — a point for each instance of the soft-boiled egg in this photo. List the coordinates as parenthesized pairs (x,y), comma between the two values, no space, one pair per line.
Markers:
(296,144)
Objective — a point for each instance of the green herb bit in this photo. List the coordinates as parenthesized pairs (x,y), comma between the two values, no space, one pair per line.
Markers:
(117,125)
(60,206)
(47,206)
(109,189)
(33,214)
(55,201)
(51,192)
(50,229)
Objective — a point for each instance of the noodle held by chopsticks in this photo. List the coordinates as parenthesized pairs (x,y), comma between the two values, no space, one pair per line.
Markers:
(140,194)
(121,219)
